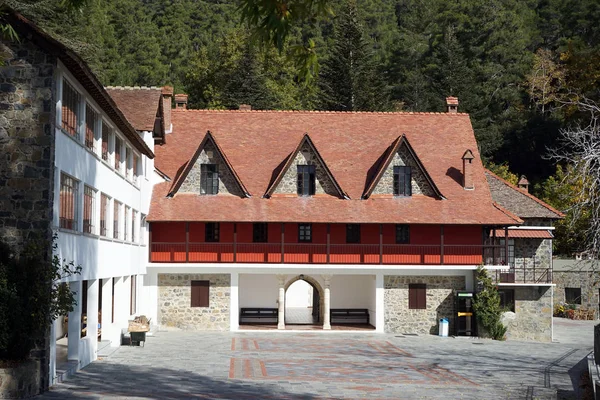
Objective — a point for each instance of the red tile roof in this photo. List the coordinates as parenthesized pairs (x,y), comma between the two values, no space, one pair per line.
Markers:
(353,145)
(139,104)
(524,233)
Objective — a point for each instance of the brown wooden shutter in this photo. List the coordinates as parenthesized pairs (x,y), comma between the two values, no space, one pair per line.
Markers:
(417,296)
(200,293)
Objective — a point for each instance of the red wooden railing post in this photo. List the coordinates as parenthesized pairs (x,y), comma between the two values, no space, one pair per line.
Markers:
(234,242)
(282,242)
(328,241)
(187,242)
(442,244)
(380,243)
(150,242)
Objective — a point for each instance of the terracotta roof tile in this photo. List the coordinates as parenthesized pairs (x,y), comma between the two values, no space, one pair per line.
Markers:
(139,104)
(351,143)
(524,233)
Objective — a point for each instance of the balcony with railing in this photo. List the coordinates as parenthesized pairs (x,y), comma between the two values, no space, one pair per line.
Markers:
(308,253)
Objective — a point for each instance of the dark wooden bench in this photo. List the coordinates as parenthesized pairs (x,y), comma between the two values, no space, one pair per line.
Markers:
(349,315)
(259,315)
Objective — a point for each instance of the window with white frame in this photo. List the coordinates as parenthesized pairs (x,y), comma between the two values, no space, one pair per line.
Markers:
(70,110)
(118,152)
(136,160)
(128,162)
(127,224)
(105,141)
(142,231)
(69,189)
(104,214)
(117,219)
(133,225)
(89,210)
(91,123)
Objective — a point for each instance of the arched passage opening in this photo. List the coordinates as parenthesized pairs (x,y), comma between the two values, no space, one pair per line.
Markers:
(303,301)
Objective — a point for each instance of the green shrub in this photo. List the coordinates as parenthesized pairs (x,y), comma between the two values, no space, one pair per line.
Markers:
(30,296)
(487,306)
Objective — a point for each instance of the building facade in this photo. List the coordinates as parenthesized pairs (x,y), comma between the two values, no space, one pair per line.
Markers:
(527,286)
(74,167)
(385,212)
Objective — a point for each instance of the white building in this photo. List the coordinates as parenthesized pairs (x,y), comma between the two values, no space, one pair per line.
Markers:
(103,183)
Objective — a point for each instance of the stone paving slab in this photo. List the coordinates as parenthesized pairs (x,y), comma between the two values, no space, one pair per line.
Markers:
(256,365)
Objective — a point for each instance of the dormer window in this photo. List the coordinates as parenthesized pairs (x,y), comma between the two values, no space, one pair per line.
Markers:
(209,179)
(306,180)
(402,181)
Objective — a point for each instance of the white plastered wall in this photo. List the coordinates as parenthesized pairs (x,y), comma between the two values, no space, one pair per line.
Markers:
(100,257)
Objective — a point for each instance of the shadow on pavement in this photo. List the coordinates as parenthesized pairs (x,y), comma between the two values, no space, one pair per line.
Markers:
(106,380)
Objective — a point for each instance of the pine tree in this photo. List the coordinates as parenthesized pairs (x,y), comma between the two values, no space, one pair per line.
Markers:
(349,80)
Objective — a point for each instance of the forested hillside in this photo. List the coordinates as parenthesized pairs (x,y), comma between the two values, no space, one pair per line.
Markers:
(511,63)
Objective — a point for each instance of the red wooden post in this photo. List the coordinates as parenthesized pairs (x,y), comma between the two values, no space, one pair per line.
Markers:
(187,242)
(150,242)
(506,245)
(234,242)
(328,241)
(282,242)
(380,243)
(442,244)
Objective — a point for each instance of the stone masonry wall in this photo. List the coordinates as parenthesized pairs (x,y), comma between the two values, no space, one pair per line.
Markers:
(588,281)
(530,253)
(306,156)
(227,182)
(26,142)
(532,319)
(419,182)
(174,299)
(27,128)
(440,303)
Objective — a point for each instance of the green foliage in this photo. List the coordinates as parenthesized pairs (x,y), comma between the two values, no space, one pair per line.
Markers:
(561,193)
(487,306)
(511,63)
(503,171)
(349,80)
(30,296)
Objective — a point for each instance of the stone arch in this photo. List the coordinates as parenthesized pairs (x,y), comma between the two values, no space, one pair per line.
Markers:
(316,286)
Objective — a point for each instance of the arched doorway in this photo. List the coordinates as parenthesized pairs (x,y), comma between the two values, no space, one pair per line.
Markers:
(303,301)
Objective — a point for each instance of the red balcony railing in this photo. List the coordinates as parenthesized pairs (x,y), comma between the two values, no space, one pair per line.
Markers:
(309,253)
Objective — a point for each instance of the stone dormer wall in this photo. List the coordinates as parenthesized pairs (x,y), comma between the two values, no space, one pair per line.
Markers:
(306,156)
(419,182)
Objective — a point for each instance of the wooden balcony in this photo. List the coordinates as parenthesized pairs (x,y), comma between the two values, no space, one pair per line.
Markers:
(308,253)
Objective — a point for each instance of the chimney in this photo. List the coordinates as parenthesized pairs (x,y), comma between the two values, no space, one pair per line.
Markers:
(181,101)
(245,107)
(452,105)
(523,183)
(167,99)
(468,170)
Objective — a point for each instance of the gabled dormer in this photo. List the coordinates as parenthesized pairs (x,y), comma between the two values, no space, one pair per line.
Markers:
(209,172)
(304,173)
(401,174)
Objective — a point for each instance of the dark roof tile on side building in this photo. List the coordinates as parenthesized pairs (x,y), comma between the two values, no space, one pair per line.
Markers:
(519,201)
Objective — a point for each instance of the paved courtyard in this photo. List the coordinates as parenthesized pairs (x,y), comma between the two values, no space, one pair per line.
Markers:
(332,365)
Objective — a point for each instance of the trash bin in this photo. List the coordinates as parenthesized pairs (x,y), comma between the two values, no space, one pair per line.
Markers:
(444,327)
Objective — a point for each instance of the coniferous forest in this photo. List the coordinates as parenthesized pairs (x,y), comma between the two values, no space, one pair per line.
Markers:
(513,64)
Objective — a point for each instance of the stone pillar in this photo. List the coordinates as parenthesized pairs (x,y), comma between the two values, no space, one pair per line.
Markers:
(106,320)
(234,307)
(281,302)
(92,317)
(379,303)
(326,301)
(74,323)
